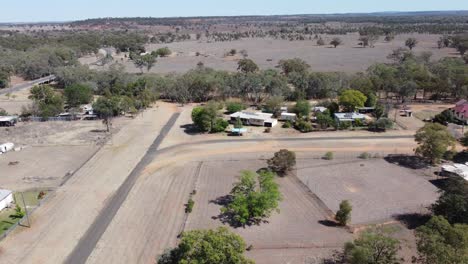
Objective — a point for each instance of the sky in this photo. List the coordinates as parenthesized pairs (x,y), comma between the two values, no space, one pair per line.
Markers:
(67,10)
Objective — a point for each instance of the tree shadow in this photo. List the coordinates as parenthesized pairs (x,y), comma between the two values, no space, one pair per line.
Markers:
(441,184)
(461,157)
(190,129)
(407,161)
(329,223)
(413,220)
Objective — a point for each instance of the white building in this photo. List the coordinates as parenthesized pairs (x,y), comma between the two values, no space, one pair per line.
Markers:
(8,120)
(255,119)
(288,117)
(349,117)
(6,198)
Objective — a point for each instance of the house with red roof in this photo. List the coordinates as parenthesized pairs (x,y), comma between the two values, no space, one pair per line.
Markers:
(461,111)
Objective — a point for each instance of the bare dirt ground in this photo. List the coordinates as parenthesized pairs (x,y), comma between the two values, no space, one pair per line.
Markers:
(14,102)
(297,226)
(267,52)
(59,224)
(377,190)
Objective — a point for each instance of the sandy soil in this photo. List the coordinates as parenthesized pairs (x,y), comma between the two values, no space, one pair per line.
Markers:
(15,101)
(267,52)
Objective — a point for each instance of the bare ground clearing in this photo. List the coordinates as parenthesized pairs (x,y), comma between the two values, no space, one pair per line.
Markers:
(296,226)
(376,189)
(60,223)
(348,57)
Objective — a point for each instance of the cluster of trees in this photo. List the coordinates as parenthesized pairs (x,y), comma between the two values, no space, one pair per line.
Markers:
(208,119)
(219,246)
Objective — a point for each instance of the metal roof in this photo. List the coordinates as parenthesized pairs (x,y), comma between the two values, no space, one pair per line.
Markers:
(4,194)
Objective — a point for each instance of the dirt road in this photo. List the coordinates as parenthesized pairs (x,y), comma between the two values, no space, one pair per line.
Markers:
(64,219)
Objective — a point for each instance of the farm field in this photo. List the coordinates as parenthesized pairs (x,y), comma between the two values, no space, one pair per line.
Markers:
(349,57)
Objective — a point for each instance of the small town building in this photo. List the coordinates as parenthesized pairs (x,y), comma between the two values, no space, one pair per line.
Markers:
(4,148)
(6,198)
(460,170)
(254,119)
(460,111)
(288,117)
(349,117)
(6,121)
(319,109)
(366,110)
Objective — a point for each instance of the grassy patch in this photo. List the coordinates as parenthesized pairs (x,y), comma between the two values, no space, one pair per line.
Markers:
(31,200)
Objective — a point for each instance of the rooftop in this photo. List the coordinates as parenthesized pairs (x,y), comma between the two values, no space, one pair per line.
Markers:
(349,116)
(4,194)
(7,118)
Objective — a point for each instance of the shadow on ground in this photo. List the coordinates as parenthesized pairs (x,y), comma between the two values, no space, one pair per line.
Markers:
(407,161)
(413,220)
(190,129)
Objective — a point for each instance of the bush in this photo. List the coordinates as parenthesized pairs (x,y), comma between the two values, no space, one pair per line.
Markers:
(189,206)
(287,124)
(328,156)
(282,162)
(344,213)
(344,125)
(219,125)
(162,52)
(381,125)
(365,155)
(303,125)
(233,106)
(302,108)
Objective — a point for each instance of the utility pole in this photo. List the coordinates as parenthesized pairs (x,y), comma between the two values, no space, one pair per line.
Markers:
(26,210)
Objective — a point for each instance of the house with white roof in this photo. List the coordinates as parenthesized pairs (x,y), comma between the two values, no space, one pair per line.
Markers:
(349,117)
(254,118)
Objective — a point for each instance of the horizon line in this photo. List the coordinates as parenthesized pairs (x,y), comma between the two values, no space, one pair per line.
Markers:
(217,16)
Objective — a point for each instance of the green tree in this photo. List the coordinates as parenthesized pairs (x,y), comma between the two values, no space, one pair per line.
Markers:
(324,119)
(206,118)
(433,142)
(352,99)
(411,43)
(47,101)
(273,105)
(247,65)
(282,162)
(78,94)
(234,106)
(336,42)
(343,215)
(219,246)
(162,52)
(254,197)
(438,242)
(106,109)
(372,247)
(293,65)
(452,204)
(302,109)
(445,117)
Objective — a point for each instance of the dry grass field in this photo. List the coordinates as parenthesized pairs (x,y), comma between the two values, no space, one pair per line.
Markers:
(349,57)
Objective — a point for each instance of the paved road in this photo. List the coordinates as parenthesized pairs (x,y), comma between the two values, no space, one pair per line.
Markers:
(27,85)
(88,242)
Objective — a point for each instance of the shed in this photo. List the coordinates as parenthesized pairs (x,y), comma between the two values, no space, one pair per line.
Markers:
(6,198)
(255,119)
(349,117)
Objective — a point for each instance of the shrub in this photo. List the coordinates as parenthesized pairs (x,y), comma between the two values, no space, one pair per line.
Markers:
(328,156)
(365,155)
(287,124)
(303,125)
(344,125)
(233,106)
(381,125)
(344,213)
(282,161)
(189,206)
(162,52)
(219,125)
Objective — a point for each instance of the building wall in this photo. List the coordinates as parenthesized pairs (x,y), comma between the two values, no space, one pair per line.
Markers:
(6,202)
